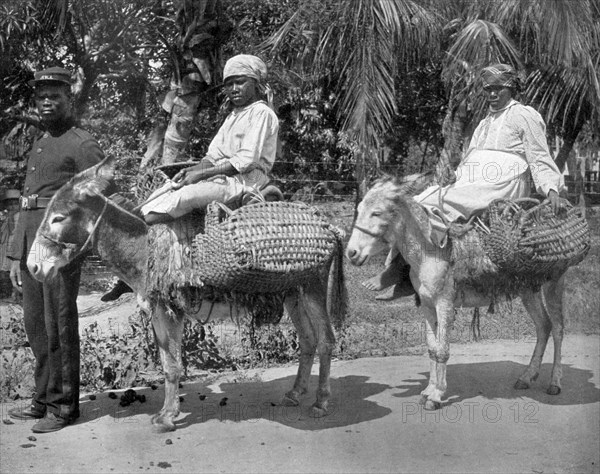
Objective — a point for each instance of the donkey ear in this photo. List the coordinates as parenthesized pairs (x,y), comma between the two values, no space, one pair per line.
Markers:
(95,180)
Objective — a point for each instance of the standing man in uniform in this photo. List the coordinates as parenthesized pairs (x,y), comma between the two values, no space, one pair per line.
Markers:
(50,308)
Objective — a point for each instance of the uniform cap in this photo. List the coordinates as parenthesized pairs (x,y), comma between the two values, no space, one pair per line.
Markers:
(53,74)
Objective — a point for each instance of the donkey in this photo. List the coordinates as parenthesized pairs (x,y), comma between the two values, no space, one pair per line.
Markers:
(80,217)
(389,216)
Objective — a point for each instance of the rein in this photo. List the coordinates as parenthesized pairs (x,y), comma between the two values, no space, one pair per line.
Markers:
(85,245)
(370,233)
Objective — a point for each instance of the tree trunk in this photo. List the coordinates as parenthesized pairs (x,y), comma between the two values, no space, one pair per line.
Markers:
(179,129)
(203,29)
(453,130)
(569,138)
(361,179)
(564,156)
(155,145)
(577,180)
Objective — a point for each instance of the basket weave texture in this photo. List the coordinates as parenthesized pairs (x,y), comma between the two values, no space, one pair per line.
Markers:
(263,248)
(526,238)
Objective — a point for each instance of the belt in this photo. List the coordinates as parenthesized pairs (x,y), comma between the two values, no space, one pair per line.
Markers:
(33,202)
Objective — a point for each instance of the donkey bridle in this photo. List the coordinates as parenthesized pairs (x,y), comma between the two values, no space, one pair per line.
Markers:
(375,235)
(88,241)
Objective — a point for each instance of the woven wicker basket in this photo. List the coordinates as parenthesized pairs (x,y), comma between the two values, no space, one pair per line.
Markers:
(524,237)
(263,248)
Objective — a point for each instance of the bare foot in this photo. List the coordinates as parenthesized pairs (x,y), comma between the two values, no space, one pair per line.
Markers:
(388,277)
(397,291)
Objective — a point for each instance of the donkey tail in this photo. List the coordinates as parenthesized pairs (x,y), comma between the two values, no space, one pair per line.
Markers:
(337,293)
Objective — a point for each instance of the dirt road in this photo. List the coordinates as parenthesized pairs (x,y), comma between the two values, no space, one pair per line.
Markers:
(376,424)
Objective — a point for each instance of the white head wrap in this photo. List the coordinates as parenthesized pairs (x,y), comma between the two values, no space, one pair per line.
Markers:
(246,65)
(250,66)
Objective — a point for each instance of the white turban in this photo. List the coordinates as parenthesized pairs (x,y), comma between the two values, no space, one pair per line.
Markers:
(246,65)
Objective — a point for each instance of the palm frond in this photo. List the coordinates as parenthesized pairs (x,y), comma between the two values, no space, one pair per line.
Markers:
(365,62)
(54,14)
(362,43)
(365,48)
(562,93)
(479,44)
(549,29)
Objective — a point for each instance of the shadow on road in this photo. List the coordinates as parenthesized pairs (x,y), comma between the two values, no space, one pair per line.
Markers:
(495,380)
(251,402)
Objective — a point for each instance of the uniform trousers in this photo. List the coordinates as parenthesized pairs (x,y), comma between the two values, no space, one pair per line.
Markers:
(52,327)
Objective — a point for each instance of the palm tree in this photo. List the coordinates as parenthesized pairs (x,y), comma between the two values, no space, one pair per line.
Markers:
(196,62)
(364,44)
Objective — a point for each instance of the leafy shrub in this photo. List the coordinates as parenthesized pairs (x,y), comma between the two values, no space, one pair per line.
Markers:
(116,360)
(12,329)
(268,345)
(199,348)
(16,368)
(16,374)
(130,358)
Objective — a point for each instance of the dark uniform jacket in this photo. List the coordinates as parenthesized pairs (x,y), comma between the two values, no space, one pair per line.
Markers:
(53,160)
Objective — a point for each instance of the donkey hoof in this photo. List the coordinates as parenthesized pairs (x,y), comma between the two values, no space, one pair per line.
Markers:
(318,411)
(430,405)
(553,390)
(289,400)
(520,385)
(423,400)
(161,424)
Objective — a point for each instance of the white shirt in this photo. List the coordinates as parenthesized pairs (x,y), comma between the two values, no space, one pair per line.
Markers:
(248,140)
(520,130)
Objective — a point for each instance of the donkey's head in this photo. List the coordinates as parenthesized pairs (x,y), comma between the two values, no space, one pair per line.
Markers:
(71,218)
(378,214)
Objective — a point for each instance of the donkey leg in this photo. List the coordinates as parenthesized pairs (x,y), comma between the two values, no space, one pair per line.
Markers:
(168,329)
(439,353)
(533,304)
(308,344)
(431,384)
(552,299)
(315,306)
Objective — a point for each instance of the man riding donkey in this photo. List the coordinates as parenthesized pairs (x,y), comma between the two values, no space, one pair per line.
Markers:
(508,146)
(238,160)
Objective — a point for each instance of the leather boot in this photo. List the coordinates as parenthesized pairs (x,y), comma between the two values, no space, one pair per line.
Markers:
(26,413)
(120,288)
(403,288)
